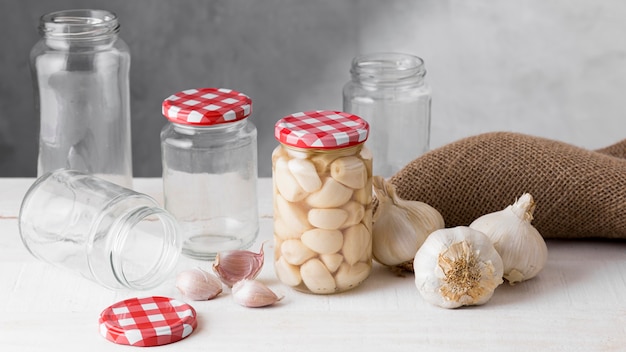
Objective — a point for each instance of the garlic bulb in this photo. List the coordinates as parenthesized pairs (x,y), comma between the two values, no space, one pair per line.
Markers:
(198,285)
(522,248)
(457,267)
(254,294)
(400,226)
(237,265)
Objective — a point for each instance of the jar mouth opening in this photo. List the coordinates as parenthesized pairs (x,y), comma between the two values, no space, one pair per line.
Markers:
(79,23)
(147,248)
(388,66)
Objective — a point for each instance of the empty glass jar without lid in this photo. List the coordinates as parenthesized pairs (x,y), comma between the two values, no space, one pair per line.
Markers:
(388,90)
(322,176)
(107,233)
(209,154)
(80,75)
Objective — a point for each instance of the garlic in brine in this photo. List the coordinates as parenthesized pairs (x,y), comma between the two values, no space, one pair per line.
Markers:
(236,265)
(254,294)
(522,248)
(400,226)
(198,285)
(457,267)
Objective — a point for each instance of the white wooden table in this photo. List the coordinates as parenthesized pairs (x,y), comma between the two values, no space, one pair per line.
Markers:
(577,303)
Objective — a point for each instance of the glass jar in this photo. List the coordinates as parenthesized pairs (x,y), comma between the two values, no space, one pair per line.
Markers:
(107,233)
(388,90)
(80,76)
(209,152)
(322,177)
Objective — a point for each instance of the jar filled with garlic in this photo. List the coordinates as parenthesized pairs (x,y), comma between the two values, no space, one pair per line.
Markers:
(322,177)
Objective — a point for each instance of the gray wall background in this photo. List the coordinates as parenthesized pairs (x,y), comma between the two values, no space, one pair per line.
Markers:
(552,68)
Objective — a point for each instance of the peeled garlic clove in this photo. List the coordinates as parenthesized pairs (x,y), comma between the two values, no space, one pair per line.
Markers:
(304,172)
(349,276)
(198,285)
(356,241)
(332,261)
(287,185)
(355,211)
(316,277)
(522,248)
(295,252)
(253,294)
(349,171)
(323,241)
(364,195)
(287,273)
(283,231)
(293,216)
(328,219)
(400,226)
(332,195)
(237,265)
(457,267)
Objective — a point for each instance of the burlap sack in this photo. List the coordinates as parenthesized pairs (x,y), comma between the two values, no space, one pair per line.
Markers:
(579,193)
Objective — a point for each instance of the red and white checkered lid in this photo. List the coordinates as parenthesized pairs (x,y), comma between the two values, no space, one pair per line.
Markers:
(149,321)
(207,106)
(321,129)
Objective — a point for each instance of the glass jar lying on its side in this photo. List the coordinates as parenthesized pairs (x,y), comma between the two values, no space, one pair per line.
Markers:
(109,234)
(322,176)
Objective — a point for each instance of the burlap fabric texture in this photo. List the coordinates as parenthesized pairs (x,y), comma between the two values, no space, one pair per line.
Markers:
(579,193)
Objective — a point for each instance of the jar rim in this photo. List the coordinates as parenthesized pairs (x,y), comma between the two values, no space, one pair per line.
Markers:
(388,66)
(79,24)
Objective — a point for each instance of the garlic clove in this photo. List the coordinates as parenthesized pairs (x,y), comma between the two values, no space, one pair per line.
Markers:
(457,267)
(304,172)
(355,211)
(356,241)
(332,195)
(198,285)
(254,294)
(349,276)
(323,241)
(287,273)
(317,278)
(328,219)
(331,261)
(522,248)
(286,183)
(349,171)
(293,216)
(237,265)
(295,252)
(400,226)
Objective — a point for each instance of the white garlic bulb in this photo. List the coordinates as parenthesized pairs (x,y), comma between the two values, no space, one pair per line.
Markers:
(457,267)
(400,226)
(522,248)
(198,285)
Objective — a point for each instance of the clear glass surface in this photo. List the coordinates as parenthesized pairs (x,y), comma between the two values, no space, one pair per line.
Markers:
(210,185)
(106,233)
(80,73)
(389,92)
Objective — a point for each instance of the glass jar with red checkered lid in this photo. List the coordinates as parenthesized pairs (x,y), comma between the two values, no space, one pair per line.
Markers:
(322,176)
(209,156)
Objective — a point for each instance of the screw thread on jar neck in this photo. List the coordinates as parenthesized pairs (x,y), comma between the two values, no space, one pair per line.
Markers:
(79,24)
(391,69)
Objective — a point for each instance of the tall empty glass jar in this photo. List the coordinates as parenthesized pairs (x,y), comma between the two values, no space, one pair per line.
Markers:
(80,74)
(106,233)
(209,152)
(322,176)
(389,92)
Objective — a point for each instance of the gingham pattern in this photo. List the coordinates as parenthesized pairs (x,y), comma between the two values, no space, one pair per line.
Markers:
(149,321)
(321,129)
(206,106)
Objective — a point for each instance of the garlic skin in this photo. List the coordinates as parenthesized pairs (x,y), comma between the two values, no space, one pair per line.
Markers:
(457,267)
(522,248)
(198,285)
(400,226)
(234,266)
(253,294)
